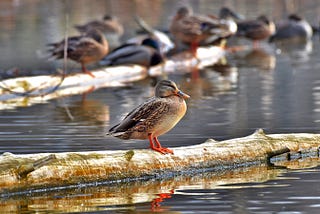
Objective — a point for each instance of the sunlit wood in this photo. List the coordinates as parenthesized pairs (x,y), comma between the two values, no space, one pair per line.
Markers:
(25,91)
(22,172)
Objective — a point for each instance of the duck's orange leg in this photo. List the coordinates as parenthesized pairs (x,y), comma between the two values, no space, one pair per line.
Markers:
(256,44)
(84,70)
(158,146)
(163,149)
(194,46)
(155,204)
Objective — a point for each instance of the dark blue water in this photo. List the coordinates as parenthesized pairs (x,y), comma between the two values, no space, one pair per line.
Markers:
(274,88)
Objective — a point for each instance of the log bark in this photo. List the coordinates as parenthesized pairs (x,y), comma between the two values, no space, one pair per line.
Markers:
(44,171)
(25,91)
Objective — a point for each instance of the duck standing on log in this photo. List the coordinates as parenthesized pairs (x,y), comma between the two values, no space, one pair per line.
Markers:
(85,49)
(154,117)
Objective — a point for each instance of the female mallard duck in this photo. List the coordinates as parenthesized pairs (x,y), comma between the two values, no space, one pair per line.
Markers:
(256,30)
(295,28)
(145,54)
(85,49)
(109,25)
(154,117)
(192,30)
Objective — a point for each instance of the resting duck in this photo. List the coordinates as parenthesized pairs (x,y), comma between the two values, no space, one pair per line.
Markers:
(227,25)
(295,28)
(145,54)
(256,30)
(109,25)
(85,49)
(190,29)
(163,39)
(154,117)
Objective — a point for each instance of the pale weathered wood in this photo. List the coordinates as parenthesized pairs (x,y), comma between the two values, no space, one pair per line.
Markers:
(40,88)
(21,172)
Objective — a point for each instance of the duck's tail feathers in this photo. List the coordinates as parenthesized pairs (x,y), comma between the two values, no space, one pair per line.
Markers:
(146,27)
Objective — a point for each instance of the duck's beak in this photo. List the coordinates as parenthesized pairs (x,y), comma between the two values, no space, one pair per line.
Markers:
(183,95)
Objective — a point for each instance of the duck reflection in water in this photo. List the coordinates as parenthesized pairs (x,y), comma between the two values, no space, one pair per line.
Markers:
(210,80)
(257,58)
(90,112)
(298,51)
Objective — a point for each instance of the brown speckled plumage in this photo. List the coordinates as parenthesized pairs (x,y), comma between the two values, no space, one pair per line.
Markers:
(156,116)
(85,49)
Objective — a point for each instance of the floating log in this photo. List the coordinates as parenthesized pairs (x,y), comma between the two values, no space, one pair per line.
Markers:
(25,91)
(107,197)
(20,173)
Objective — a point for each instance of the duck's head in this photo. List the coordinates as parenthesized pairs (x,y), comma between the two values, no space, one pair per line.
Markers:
(151,43)
(268,22)
(156,57)
(184,11)
(166,88)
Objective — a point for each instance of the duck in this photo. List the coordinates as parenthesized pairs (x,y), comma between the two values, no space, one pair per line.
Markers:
(108,25)
(294,28)
(227,26)
(155,117)
(84,49)
(190,29)
(163,39)
(256,30)
(146,54)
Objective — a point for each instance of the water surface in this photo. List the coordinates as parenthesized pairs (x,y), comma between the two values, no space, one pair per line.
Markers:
(274,88)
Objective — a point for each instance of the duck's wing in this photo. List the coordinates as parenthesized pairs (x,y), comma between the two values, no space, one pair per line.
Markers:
(247,27)
(148,111)
(86,46)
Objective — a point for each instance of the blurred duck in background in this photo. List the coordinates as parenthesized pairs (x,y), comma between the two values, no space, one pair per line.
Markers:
(84,49)
(295,28)
(228,25)
(146,54)
(148,32)
(109,26)
(194,30)
(256,30)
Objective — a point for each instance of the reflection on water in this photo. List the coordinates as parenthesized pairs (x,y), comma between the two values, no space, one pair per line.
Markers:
(257,58)
(299,51)
(248,189)
(275,87)
(88,112)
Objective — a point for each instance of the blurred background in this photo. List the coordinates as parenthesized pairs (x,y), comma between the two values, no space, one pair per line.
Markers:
(270,87)
(274,87)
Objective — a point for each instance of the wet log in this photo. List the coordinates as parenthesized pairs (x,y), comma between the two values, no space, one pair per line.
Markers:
(152,191)
(25,91)
(34,172)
